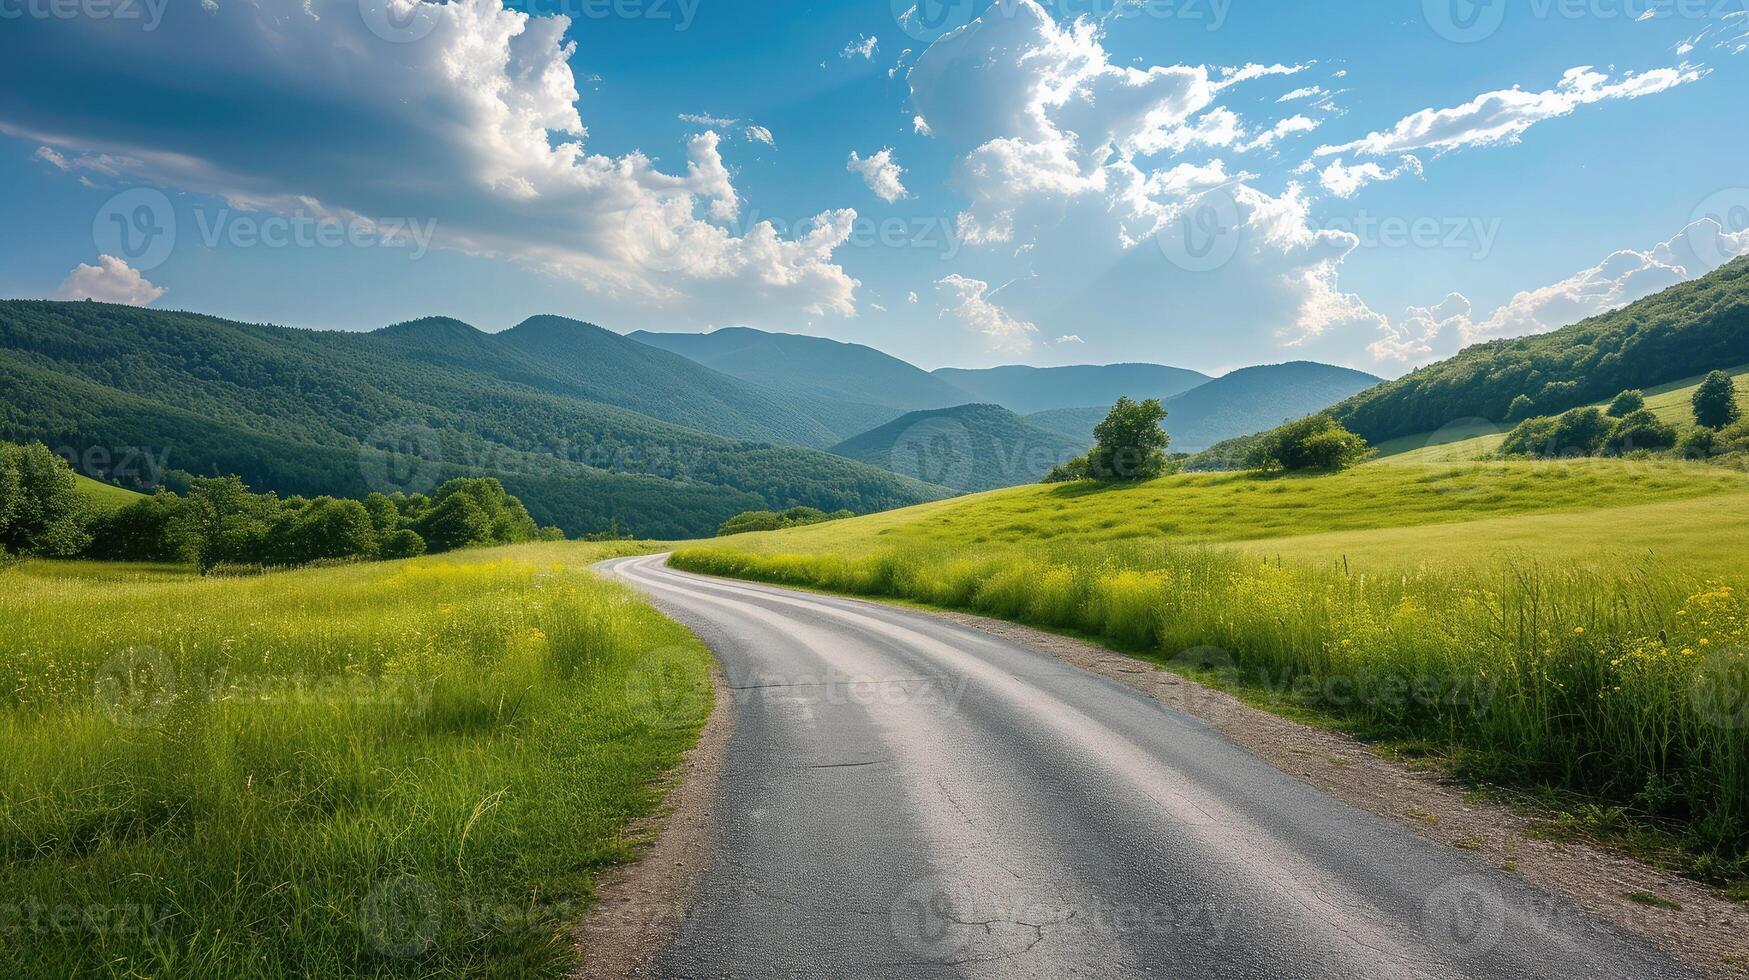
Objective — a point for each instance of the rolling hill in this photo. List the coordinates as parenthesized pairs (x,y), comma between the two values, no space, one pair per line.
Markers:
(861,386)
(1688,329)
(310,412)
(1237,403)
(1026,390)
(968,447)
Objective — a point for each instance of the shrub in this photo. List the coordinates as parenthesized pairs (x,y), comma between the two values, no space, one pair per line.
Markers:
(1068,471)
(1580,432)
(405,543)
(1316,442)
(144,530)
(1640,430)
(1627,403)
(768,520)
(1522,407)
(1715,401)
(1699,444)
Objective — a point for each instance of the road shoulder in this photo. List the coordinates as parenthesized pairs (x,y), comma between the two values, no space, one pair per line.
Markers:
(641,905)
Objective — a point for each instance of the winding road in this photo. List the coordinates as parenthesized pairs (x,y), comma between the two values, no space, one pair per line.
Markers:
(905,797)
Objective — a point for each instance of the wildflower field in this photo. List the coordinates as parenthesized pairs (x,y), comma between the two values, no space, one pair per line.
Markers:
(395,769)
(1582,652)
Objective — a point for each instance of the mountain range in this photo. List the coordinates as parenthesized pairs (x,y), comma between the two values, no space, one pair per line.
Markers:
(658,434)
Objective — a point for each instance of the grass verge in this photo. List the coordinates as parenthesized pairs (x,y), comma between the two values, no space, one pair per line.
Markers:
(396,769)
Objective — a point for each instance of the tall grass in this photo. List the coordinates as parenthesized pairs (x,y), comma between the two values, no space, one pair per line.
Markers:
(398,769)
(1625,683)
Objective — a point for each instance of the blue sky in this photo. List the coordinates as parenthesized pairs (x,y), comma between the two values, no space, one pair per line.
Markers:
(1208,183)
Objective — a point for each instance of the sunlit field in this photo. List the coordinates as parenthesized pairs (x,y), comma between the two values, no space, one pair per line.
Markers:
(1571,625)
(394,769)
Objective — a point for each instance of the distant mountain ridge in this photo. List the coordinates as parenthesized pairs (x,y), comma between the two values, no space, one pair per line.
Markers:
(967,447)
(312,412)
(1025,390)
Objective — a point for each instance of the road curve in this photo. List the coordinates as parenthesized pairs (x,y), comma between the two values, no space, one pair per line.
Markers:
(904,797)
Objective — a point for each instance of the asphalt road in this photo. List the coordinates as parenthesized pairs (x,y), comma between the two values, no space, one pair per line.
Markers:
(903,797)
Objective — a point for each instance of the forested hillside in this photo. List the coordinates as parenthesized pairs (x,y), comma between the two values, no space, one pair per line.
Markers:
(1685,330)
(967,447)
(304,412)
(1026,390)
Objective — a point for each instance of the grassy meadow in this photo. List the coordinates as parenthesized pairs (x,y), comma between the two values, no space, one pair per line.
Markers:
(1577,626)
(393,769)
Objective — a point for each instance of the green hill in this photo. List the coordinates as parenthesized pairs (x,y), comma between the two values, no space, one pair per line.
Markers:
(968,447)
(312,412)
(1688,329)
(1236,404)
(1026,390)
(853,387)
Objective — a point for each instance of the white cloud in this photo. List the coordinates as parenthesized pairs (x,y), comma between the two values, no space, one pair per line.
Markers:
(1621,278)
(911,297)
(1069,338)
(486,102)
(1291,126)
(968,302)
(880,173)
(53,159)
(706,119)
(1309,92)
(759,134)
(1503,116)
(1345,181)
(863,47)
(920,126)
(111,280)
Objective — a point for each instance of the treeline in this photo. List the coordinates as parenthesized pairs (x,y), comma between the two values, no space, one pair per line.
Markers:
(219,521)
(1628,428)
(1683,331)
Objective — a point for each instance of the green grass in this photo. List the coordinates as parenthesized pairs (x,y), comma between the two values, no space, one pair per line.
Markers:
(105,495)
(394,769)
(1572,625)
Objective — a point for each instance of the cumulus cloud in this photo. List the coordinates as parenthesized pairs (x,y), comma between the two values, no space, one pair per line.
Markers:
(1622,277)
(968,302)
(880,173)
(111,280)
(1345,181)
(1503,116)
(759,134)
(476,125)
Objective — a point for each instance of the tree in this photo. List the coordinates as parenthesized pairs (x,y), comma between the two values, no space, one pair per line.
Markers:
(1715,401)
(1640,430)
(1129,444)
(222,521)
(1627,403)
(405,543)
(144,530)
(1316,442)
(42,512)
(458,521)
(1068,471)
(1521,408)
(1580,432)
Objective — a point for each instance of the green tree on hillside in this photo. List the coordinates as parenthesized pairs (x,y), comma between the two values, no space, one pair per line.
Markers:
(1627,403)
(220,521)
(1640,430)
(1521,408)
(1129,444)
(1715,401)
(42,511)
(1316,442)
